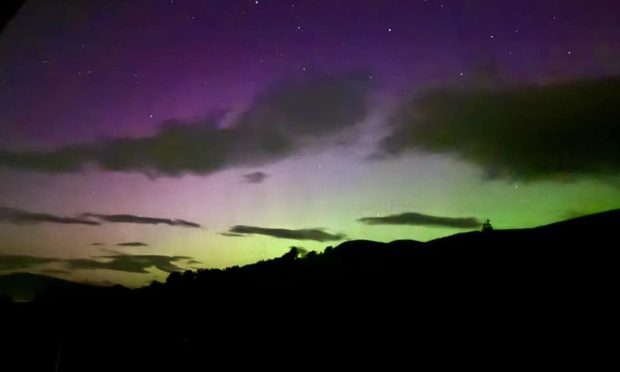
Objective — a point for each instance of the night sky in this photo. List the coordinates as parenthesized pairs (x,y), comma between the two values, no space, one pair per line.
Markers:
(142,137)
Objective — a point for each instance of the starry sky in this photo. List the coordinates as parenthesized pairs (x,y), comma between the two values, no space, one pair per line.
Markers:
(144,137)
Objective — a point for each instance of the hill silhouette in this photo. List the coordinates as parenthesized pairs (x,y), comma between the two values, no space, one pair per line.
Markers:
(494,291)
(24,287)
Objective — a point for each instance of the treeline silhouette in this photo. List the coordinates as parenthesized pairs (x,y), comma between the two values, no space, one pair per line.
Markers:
(467,297)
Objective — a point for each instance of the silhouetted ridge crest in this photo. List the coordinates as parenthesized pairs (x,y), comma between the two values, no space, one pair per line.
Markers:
(501,283)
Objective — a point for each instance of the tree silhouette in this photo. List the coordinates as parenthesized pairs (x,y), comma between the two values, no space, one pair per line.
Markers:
(291,255)
(486,226)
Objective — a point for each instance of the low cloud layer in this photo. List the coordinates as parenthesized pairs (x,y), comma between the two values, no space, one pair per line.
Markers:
(419,219)
(127,263)
(132,244)
(282,120)
(318,235)
(22,217)
(55,271)
(255,177)
(115,261)
(130,218)
(523,132)
(17,262)
(232,235)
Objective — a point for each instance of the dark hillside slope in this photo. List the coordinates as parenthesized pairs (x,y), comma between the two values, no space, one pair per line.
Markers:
(23,287)
(470,295)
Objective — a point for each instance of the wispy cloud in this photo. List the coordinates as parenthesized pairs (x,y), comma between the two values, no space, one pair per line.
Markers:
(55,271)
(255,177)
(17,262)
(318,235)
(130,218)
(232,235)
(114,261)
(413,218)
(22,217)
(132,244)
(128,263)
(286,117)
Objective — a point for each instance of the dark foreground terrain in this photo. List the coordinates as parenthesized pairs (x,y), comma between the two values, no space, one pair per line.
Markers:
(530,298)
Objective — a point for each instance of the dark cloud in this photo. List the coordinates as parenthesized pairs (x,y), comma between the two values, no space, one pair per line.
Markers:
(281,121)
(17,262)
(130,218)
(132,244)
(413,218)
(302,234)
(115,261)
(127,263)
(96,244)
(255,177)
(233,235)
(55,271)
(66,159)
(521,132)
(21,217)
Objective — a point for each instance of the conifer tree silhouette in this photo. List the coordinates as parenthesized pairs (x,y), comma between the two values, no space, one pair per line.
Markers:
(486,226)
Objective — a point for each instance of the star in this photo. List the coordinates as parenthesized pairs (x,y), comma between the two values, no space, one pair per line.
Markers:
(389,29)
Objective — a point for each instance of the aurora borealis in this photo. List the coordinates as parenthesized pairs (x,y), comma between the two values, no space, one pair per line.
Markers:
(143,137)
